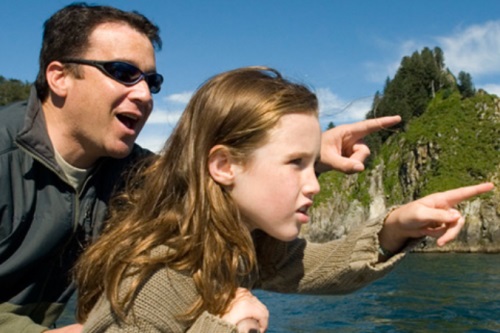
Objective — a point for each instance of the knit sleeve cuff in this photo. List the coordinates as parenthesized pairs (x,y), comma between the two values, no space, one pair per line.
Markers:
(347,264)
(367,249)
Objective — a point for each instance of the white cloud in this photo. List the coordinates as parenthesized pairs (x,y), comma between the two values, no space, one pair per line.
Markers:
(157,129)
(165,115)
(151,142)
(329,103)
(339,111)
(159,116)
(168,110)
(179,98)
(475,49)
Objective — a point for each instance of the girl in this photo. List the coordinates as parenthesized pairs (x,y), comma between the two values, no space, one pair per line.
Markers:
(219,211)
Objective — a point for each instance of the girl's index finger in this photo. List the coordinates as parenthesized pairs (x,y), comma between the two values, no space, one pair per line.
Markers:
(455,196)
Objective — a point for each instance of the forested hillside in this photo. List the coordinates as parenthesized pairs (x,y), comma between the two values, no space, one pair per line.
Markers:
(450,137)
(12,90)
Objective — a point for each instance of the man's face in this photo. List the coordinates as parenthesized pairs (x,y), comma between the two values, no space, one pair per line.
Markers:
(104,117)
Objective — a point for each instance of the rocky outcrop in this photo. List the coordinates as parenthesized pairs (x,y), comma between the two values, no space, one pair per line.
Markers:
(335,218)
(401,177)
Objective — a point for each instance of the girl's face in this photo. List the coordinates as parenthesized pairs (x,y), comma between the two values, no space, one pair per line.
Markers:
(275,188)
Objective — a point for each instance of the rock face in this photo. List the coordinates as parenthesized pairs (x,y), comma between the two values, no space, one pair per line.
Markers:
(401,177)
(335,218)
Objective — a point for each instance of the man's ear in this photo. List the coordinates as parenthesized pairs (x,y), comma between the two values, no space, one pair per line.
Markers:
(57,78)
(220,165)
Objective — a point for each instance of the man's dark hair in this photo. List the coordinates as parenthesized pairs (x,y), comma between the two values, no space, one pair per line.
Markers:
(66,34)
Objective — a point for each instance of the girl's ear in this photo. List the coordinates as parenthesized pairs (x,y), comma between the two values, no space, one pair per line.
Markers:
(57,78)
(220,165)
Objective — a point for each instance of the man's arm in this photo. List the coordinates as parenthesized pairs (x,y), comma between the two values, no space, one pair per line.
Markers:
(11,322)
(342,147)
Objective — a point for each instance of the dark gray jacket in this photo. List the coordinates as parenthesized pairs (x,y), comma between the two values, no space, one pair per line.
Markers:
(44,223)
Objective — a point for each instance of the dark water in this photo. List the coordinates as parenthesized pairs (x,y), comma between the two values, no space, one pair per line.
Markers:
(425,293)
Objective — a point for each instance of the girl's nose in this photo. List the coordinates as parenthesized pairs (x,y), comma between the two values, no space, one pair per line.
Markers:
(312,186)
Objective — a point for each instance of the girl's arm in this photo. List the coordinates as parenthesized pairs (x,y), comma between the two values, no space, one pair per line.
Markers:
(349,263)
(433,215)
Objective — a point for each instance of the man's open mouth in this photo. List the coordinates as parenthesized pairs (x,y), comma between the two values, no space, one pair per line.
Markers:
(128,120)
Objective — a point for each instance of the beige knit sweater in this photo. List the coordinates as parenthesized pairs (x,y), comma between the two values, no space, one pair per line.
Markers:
(337,267)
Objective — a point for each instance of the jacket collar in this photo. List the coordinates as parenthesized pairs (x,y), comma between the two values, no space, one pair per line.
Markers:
(33,136)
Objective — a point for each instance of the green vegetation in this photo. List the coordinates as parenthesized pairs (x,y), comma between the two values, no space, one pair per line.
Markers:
(468,138)
(449,136)
(465,85)
(417,80)
(12,90)
(331,185)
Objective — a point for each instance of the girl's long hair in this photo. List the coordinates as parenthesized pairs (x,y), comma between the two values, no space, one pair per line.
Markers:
(173,201)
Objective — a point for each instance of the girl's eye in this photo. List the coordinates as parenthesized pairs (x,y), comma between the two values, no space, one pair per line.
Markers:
(297,161)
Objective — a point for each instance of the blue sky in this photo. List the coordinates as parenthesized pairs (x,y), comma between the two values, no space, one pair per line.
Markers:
(344,50)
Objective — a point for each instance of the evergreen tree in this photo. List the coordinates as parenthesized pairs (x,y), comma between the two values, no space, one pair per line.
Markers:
(375,106)
(417,81)
(465,85)
(439,56)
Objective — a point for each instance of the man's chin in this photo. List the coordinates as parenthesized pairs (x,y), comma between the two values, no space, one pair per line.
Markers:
(121,152)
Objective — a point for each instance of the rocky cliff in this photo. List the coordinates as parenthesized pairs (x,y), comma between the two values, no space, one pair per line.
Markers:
(455,143)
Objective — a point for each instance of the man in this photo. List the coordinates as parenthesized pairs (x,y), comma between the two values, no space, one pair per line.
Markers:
(64,152)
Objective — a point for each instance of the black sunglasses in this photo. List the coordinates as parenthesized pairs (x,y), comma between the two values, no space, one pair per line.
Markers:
(122,72)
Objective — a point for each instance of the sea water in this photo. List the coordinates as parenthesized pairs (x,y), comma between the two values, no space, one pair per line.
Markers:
(425,293)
